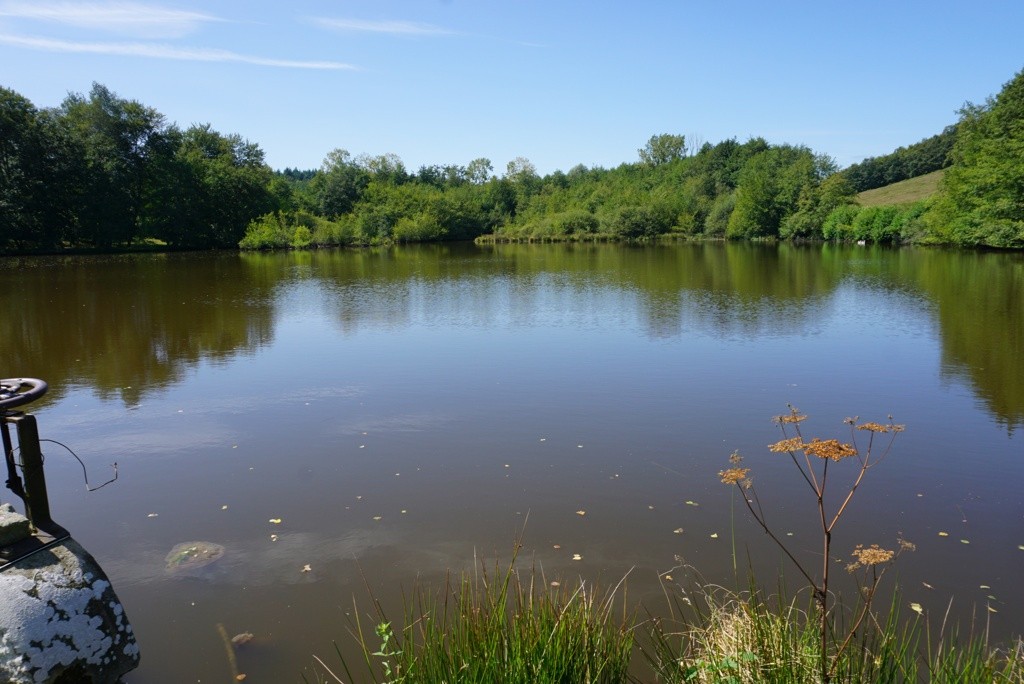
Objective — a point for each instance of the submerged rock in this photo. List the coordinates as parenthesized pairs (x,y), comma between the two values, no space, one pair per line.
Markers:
(192,555)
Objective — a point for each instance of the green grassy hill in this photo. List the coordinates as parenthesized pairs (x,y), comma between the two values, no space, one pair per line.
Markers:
(904,192)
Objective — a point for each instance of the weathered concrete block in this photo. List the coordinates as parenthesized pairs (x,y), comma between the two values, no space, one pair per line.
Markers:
(60,621)
(13,525)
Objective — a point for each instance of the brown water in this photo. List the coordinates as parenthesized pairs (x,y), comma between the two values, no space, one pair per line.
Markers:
(403,412)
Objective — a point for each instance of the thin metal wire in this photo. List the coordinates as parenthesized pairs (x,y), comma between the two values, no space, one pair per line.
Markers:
(85,474)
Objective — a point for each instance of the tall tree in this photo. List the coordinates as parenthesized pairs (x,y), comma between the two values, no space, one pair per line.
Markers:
(662,149)
(227,186)
(982,198)
(118,137)
(340,183)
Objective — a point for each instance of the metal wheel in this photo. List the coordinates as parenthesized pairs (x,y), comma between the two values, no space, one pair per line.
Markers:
(17,391)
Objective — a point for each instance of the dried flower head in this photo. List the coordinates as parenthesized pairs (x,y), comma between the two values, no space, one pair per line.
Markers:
(872,555)
(873,427)
(791,444)
(794,417)
(829,448)
(906,545)
(733,475)
(735,458)
(748,483)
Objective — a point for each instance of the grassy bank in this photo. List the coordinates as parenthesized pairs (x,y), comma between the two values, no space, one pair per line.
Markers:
(903,193)
(515,628)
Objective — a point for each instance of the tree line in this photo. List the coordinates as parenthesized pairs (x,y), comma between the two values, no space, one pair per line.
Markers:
(101,171)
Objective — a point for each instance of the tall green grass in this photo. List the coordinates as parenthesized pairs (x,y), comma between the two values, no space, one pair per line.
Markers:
(494,627)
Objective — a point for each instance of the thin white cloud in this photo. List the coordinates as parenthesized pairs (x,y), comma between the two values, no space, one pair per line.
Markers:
(157,51)
(124,18)
(404,28)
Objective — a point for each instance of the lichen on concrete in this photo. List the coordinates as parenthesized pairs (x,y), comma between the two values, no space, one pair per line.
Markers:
(58,613)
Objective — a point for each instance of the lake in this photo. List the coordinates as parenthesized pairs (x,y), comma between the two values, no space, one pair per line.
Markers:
(386,416)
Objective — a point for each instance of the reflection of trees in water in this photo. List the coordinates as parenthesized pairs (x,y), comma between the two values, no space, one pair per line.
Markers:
(979,297)
(729,289)
(126,324)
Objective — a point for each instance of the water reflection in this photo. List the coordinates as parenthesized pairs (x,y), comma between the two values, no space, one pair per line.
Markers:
(127,325)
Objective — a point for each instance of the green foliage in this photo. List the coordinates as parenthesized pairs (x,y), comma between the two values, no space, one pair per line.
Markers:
(770,185)
(32,159)
(927,156)
(637,223)
(495,627)
(982,201)
(884,223)
(103,171)
(663,149)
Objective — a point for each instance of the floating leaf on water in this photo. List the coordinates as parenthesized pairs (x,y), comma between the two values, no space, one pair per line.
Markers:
(964,541)
(581,512)
(692,503)
(404,511)
(668,577)
(556,584)
(650,508)
(243,638)
(273,537)
(359,497)
(224,507)
(714,535)
(152,515)
(678,530)
(991,609)
(984,586)
(579,446)
(507,465)
(916,607)
(557,546)
(789,534)
(577,557)
(543,439)
(240,677)
(943,534)
(306,568)
(1021,547)
(926,585)
(377,517)
(276,521)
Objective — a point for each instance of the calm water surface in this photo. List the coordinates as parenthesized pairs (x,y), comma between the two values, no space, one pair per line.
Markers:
(404,411)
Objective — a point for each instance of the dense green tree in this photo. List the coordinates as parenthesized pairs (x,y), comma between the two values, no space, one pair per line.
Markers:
(339,185)
(229,187)
(29,160)
(387,168)
(479,170)
(982,199)
(662,149)
(770,187)
(119,139)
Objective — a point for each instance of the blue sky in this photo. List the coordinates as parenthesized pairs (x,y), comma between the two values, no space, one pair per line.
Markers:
(560,83)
